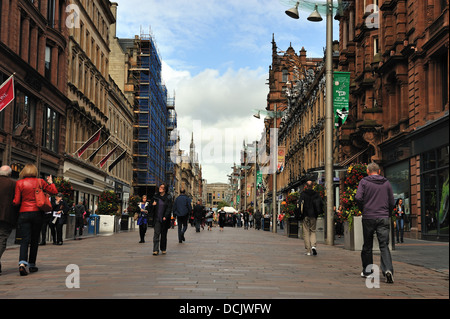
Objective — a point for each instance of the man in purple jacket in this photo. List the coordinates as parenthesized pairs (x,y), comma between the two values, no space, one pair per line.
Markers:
(376,200)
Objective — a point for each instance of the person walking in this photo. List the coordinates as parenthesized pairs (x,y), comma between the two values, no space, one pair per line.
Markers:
(79,211)
(60,211)
(161,211)
(222,218)
(375,199)
(311,206)
(258,216)
(142,220)
(209,218)
(399,219)
(182,209)
(198,215)
(8,213)
(30,217)
(246,219)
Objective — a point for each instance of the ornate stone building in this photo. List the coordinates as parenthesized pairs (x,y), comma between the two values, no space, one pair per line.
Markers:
(34,46)
(296,88)
(398,52)
(97,104)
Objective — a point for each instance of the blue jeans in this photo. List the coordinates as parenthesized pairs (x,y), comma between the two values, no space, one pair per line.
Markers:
(380,226)
(29,227)
(400,227)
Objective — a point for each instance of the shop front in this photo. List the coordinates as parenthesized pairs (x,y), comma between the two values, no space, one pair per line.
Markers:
(417,165)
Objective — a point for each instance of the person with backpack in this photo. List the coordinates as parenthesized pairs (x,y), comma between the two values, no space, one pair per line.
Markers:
(310,208)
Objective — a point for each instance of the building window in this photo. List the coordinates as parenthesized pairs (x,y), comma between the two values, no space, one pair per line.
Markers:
(48,62)
(24,110)
(285,76)
(435,186)
(51,13)
(376,46)
(50,129)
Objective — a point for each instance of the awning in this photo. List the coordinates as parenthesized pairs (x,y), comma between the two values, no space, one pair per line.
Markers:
(352,158)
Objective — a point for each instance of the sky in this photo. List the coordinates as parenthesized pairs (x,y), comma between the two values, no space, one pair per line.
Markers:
(216,57)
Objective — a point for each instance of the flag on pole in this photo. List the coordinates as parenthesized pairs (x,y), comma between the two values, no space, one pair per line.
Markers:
(105,159)
(94,138)
(117,160)
(91,157)
(7,92)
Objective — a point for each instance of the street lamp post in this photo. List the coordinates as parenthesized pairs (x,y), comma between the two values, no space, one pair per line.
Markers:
(274,149)
(329,112)
(274,170)
(329,125)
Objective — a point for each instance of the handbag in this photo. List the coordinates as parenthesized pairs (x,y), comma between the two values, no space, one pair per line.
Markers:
(42,199)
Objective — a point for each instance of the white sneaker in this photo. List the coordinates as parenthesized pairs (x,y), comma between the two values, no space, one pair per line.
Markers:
(308,254)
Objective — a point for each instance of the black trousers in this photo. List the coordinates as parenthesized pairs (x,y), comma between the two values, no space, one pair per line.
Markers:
(380,226)
(29,227)
(56,229)
(142,231)
(46,224)
(160,235)
(79,223)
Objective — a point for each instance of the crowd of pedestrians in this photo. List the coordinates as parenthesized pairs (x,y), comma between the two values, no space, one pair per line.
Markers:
(374,197)
(22,209)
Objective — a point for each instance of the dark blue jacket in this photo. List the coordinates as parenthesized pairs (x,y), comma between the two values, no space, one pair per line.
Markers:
(182,206)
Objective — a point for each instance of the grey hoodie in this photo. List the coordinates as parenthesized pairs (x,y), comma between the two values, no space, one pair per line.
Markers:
(375,197)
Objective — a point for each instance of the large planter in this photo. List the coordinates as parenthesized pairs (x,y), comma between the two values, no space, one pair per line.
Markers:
(320,230)
(108,224)
(353,237)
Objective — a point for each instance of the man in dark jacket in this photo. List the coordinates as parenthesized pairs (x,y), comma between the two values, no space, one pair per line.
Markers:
(8,213)
(79,210)
(198,215)
(311,205)
(182,209)
(376,200)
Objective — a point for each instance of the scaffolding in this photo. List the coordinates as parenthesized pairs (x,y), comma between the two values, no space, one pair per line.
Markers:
(151,114)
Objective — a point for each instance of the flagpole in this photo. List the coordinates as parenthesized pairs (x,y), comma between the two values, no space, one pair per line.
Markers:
(87,141)
(91,157)
(3,84)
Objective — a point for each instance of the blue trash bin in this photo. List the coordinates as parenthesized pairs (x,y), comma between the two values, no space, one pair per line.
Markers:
(93,224)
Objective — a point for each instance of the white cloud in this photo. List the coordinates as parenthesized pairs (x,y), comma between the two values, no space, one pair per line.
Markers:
(216,55)
(218,109)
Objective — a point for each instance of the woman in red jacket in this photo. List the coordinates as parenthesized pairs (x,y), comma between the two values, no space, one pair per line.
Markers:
(30,217)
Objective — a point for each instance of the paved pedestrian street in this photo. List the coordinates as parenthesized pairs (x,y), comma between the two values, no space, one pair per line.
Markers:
(233,264)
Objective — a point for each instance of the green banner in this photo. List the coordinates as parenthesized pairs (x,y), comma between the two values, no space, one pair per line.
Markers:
(341,90)
(258,179)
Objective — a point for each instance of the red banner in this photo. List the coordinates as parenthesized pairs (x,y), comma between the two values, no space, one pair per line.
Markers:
(6,92)
(105,159)
(92,140)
